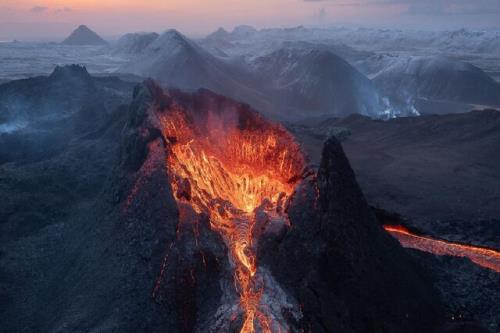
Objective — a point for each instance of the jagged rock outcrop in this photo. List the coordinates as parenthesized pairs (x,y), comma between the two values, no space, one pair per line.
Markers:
(409,166)
(337,261)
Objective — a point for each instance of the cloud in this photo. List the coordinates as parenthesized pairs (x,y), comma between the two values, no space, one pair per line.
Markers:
(38,9)
(63,10)
(426,7)
(320,15)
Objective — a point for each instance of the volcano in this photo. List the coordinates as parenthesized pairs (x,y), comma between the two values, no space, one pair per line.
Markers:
(84,36)
(318,81)
(191,212)
(240,171)
(260,242)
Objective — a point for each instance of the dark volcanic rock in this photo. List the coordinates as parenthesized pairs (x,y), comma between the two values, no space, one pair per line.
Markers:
(440,173)
(53,237)
(91,240)
(189,259)
(4,115)
(84,36)
(347,274)
(63,92)
(469,291)
(88,236)
(41,115)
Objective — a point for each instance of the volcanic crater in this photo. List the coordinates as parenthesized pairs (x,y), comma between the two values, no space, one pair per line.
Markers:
(240,171)
(255,225)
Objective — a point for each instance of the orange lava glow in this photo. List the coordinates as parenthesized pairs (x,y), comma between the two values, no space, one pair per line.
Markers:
(485,257)
(230,166)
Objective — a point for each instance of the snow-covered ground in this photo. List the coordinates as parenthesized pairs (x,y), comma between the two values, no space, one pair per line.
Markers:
(480,48)
(224,60)
(25,59)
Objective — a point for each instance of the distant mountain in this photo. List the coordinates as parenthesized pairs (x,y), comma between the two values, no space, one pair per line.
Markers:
(457,42)
(56,108)
(134,43)
(220,33)
(439,79)
(286,83)
(248,42)
(376,63)
(483,42)
(218,43)
(173,59)
(239,32)
(345,52)
(243,31)
(176,61)
(61,93)
(300,79)
(309,82)
(84,36)
(48,97)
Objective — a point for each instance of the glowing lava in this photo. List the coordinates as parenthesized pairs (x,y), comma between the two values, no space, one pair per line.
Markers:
(488,258)
(231,165)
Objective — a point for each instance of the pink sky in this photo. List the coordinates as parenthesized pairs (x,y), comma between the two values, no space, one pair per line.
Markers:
(28,19)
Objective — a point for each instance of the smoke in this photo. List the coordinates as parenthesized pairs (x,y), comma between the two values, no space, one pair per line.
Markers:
(39,9)
(12,126)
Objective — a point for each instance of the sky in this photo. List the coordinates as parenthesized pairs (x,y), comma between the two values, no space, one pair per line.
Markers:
(55,19)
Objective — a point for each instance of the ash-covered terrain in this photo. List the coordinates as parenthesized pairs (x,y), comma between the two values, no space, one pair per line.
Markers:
(141,218)
(275,180)
(440,172)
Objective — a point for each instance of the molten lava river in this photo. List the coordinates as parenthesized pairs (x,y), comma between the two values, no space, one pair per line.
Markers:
(232,167)
(488,258)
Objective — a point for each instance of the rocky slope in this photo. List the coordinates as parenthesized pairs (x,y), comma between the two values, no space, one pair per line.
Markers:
(40,113)
(354,278)
(437,79)
(176,61)
(315,82)
(102,248)
(410,166)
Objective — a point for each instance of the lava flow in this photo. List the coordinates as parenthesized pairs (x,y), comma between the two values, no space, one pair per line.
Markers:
(231,166)
(485,257)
